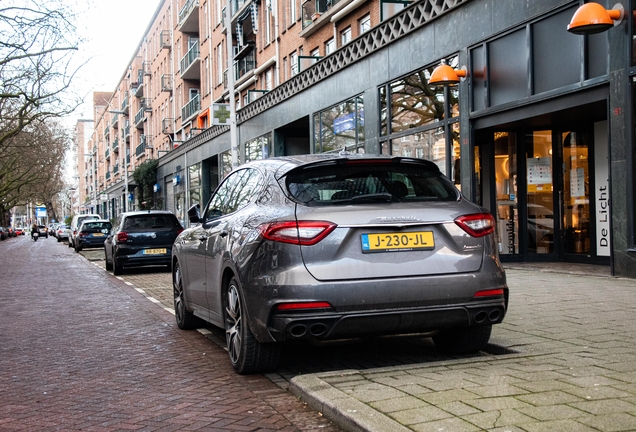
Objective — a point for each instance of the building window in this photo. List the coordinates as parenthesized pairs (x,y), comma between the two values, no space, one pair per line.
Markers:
(365,24)
(421,120)
(388,8)
(345,36)
(315,53)
(293,59)
(194,183)
(292,11)
(268,79)
(340,126)
(219,63)
(330,46)
(258,148)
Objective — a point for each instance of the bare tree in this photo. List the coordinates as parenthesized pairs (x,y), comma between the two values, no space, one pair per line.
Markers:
(32,166)
(37,44)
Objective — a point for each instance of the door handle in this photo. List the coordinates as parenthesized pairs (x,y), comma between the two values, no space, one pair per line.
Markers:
(223,233)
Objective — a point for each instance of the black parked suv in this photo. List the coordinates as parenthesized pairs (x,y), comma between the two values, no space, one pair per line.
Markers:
(140,239)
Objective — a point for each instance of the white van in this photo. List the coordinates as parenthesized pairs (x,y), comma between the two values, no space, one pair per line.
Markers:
(75,223)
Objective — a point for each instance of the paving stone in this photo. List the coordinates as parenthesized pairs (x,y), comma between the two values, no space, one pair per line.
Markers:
(556,397)
(611,423)
(498,418)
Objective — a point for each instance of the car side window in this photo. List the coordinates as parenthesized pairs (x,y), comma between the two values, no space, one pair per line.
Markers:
(235,192)
(217,203)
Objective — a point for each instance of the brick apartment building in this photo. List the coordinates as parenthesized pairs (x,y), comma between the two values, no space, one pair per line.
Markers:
(541,131)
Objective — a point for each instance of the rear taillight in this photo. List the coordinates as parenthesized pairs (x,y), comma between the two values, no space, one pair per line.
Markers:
(82,234)
(122,236)
(305,233)
(497,292)
(179,231)
(303,306)
(477,225)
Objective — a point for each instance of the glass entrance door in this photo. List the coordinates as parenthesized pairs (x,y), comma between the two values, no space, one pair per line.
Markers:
(540,193)
(576,193)
(540,219)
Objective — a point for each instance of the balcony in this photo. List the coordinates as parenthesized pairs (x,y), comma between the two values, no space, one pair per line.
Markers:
(124,104)
(313,9)
(165,40)
(189,17)
(141,148)
(115,169)
(107,175)
(190,64)
(166,83)
(139,90)
(114,121)
(106,132)
(127,156)
(167,125)
(244,65)
(125,133)
(191,109)
(116,145)
(140,117)
(107,154)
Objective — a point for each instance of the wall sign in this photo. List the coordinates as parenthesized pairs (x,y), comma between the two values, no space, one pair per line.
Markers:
(601,178)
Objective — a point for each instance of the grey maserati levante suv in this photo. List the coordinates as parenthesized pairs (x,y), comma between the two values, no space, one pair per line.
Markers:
(330,247)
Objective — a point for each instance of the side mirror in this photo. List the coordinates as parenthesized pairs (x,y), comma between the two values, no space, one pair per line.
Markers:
(194,214)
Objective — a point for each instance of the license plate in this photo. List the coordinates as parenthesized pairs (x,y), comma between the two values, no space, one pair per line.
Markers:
(400,241)
(154,251)
(98,235)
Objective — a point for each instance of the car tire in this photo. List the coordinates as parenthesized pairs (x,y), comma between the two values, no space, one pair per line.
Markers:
(58,239)
(117,270)
(247,355)
(78,249)
(463,340)
(109,266)
(186,320)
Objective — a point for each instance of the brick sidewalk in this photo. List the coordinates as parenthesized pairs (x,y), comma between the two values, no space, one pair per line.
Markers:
(81,350)
(575,369)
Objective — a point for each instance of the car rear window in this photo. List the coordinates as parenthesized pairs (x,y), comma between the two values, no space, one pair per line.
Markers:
(369,182)
(96,226)
(154,222)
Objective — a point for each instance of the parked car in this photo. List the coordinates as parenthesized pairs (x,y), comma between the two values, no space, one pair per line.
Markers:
(11,232)
(19,231)
(326,247)
(43,231)
(140,239)
(61,232)
(75,223)
(52,228)
(92,233)
(3,233)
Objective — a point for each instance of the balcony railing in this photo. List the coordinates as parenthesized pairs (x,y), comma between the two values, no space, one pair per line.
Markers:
(312,9)
(189,65)
(141,148)
(116,145)
(116,169)
(166,83)
(191,108)
(140,117)
(125,133)
(236,5)
(244,65)
(107,175)
(165,40)
(167,125)
(107,153)
(106,132)
(114,122)
(124,104)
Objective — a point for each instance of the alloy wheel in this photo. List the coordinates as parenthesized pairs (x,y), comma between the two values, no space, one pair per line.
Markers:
(234,318)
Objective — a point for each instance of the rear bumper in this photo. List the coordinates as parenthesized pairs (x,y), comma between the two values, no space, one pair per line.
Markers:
(138,259)
(326,326)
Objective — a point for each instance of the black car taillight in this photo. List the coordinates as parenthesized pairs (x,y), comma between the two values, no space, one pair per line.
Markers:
(305,233)
(122,236)
(477,225)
